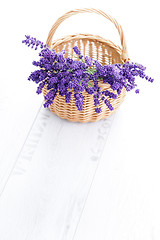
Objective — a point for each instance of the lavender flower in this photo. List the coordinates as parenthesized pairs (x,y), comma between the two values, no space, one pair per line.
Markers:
(79,101)
(98,110)
(137,91)
(109,94)
(78,52)
(40,87)
(108,104)
(88,61)
(33,42)
(67,76)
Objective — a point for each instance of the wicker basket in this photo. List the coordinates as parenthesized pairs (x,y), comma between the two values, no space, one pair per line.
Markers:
(98,48)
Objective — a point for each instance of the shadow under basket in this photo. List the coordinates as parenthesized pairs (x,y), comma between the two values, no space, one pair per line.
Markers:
(98,48)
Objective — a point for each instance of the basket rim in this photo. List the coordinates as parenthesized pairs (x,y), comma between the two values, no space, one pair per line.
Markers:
(85,36)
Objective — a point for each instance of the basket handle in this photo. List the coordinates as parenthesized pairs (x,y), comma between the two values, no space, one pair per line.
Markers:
(124,54)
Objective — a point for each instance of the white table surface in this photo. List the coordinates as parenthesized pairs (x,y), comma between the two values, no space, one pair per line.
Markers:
(62,180)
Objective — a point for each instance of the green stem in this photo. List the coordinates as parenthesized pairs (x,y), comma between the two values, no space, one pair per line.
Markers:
(90,84)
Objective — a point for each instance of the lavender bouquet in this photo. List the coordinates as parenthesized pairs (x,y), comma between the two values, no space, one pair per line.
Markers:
(65,76)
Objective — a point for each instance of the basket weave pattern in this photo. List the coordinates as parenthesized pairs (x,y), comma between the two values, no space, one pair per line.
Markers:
(98,48)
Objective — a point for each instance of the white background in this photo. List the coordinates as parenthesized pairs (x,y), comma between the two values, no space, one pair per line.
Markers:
(123,202)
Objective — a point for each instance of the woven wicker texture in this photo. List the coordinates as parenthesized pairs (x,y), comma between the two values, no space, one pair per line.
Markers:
(98,48)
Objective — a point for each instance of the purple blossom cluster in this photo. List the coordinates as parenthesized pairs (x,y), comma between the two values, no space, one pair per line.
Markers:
(65,76)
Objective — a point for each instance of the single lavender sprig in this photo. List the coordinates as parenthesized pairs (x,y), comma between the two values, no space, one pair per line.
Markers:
(78,52)
(33,42)
(88,61)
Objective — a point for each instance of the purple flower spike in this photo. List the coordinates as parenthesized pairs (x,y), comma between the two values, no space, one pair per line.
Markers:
(88,61)
(98,110)
(33,42)
(78,52)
